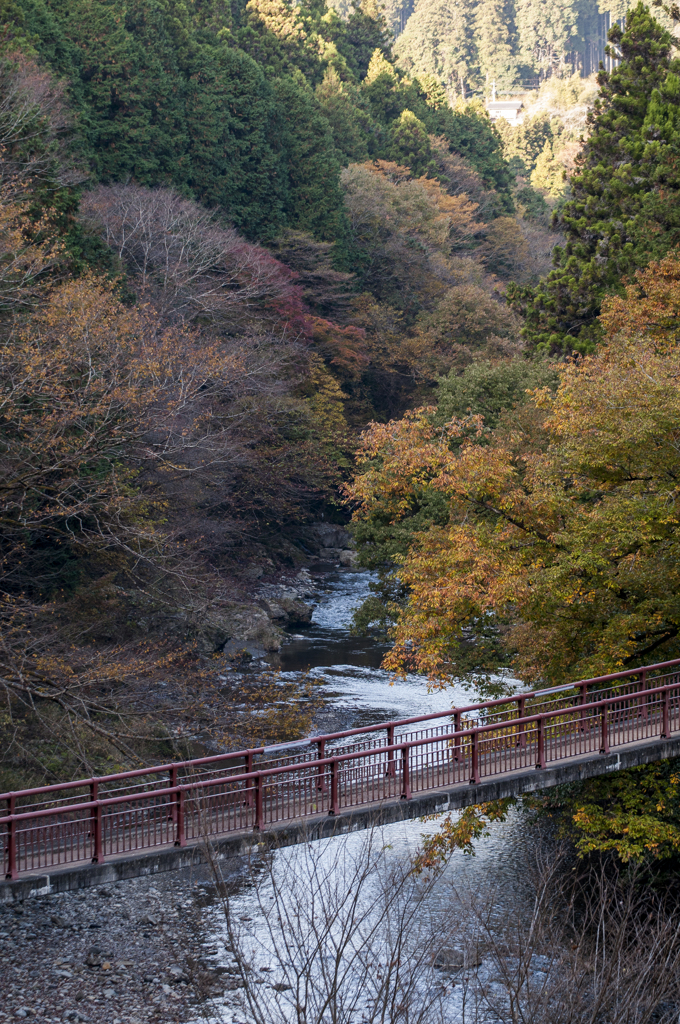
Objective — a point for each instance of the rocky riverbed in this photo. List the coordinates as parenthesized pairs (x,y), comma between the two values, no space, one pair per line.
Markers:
(128,953)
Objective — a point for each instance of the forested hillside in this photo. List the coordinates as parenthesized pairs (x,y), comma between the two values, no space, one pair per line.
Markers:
(468,44)
(232,236)
(253,106)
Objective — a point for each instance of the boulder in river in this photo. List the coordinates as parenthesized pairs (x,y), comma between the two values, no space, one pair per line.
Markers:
(288,611)
(325,538)
(284,603)
(248,625)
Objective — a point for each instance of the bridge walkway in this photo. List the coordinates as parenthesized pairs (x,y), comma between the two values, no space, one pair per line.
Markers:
(256,791)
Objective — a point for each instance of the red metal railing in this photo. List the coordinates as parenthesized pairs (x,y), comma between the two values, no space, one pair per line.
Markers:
(90,819)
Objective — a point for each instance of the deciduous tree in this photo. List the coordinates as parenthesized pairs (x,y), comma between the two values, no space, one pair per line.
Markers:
(558,557)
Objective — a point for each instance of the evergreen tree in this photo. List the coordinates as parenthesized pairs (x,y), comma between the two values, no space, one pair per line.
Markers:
(549,173)
(276,36)
(472,135)
(230,118)
(382,89)
(313,199)
(379,65)
(352,126)
(493,41)
(523,143)
(624,195)
(468,131)
(655,224)
(548,32)
(438,40)
(411,145)
(361,35)
(124,77)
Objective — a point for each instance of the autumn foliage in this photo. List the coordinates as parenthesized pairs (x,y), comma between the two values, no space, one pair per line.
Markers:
(560,551)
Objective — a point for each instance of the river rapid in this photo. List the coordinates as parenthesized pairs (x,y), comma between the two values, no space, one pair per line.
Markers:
(273,907)
(358,692)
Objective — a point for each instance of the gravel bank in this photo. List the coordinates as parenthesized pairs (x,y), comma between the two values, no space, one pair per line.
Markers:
(129,953)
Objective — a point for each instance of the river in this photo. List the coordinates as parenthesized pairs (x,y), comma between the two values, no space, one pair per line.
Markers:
(304,883)
(358,691)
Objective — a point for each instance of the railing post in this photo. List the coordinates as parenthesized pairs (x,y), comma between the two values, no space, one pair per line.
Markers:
(257,826)
(180,806)
(405,774)
(249,767)
(456,728)
(334,788)
(175,802)
(666,718)
(12,870)
(96,817)
(321,753)
(521,712)
(604,744)
(474,758)
(98,851)
(584,700)
(540,755)
(390,753)
(644,705)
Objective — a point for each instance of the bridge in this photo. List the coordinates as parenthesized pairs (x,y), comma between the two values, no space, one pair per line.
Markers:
(450,759)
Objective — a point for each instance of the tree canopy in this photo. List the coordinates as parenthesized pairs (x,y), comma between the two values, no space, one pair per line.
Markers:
(622,209)
(556,551)
(252,109)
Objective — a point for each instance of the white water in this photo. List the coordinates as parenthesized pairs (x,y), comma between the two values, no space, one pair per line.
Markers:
(497,873)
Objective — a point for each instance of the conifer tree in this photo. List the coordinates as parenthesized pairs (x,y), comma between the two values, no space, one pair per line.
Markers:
(549,31)
(438,40)
(313,200)
(624,194)
(125,74)
(362,34)
(493,40)
(411,145)
(230,121)
(381,87)
(472,135)
(377,66)
(351,126)
(276,36)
